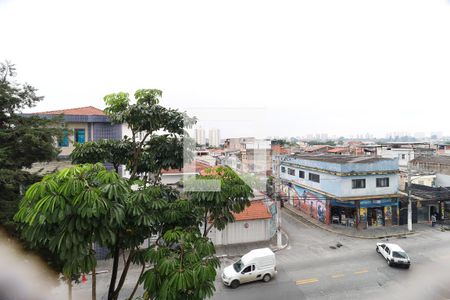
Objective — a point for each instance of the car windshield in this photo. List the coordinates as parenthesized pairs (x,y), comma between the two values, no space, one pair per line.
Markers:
(238,266)
(399,254)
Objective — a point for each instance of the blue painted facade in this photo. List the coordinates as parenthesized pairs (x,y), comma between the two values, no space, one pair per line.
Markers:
(83,128)
(363,188)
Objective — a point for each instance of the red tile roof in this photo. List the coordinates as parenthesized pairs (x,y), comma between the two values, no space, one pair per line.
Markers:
(256,210)
(79,111)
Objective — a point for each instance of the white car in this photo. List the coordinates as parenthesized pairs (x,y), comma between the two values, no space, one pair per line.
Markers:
(258,264)
(394,254)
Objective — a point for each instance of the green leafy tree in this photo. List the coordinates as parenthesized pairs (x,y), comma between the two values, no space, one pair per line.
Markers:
(184,267)
(24,140)
(70,210)
(218,203)
(115,152)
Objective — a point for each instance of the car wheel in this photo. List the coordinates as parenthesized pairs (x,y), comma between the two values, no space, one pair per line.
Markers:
(407,266)
(266,278)
(234,284)
(389,262)
(378,250)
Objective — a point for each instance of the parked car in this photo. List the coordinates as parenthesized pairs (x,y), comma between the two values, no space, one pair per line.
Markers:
(258,264)
(394,254)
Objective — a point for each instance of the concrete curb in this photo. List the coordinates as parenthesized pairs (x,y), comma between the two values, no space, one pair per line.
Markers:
(325,227)
(274,249)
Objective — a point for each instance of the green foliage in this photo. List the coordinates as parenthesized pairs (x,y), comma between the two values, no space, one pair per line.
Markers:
(69,210)
(184,268)
(116,152)
(23,141)
(328,142)
(217,206)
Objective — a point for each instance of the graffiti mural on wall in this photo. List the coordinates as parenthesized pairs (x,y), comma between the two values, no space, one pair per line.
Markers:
(311,203)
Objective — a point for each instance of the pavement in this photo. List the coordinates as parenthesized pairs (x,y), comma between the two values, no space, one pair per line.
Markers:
(313,267)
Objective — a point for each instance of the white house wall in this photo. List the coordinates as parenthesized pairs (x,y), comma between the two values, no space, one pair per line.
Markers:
(236,233)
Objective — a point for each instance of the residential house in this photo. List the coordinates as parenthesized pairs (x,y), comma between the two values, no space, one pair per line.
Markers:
(443,149)
(405,151)
(82,125)
(440,165)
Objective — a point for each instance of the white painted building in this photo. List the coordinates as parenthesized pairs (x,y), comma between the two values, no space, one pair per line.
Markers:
(200,136)
(256,223)
(214,138)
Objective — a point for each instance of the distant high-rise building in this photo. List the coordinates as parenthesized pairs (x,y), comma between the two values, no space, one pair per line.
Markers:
(200,136)
(214,137)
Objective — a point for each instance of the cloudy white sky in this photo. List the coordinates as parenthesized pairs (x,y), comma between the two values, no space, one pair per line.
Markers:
(298,67)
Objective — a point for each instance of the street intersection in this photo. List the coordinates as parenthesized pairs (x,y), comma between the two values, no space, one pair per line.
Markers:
(313,266)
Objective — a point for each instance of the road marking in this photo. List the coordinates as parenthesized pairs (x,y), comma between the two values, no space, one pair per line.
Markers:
(337,275)
(295,219)
(361,272)
(306,281)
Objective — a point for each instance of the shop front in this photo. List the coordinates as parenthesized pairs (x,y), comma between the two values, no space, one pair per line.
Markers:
(365,213)
(425,209)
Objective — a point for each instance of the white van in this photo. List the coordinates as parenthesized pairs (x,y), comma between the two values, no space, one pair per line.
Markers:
(258,264)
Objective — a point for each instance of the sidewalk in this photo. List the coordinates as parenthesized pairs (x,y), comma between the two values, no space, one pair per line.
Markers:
(237,250)
(369,233)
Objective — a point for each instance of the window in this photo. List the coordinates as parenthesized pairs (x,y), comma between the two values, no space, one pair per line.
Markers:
(358,183)
(403,156)
(247,269)
(253,267)
(301,174)
(80,136)
(314,177)
(283,170)
(291,171)
(398,254)
(387,250)
(64,141)
(383,182)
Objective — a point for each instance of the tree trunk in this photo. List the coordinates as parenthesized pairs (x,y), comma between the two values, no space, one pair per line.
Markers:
(69,289)
(205,220)
(94,278)
(122,277)
(115,268)
(94,284)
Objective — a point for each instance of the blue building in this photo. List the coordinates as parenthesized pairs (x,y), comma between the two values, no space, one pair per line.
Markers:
(83,124)
(359,191)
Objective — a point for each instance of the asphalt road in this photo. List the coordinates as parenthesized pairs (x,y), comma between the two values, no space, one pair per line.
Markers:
(310,269)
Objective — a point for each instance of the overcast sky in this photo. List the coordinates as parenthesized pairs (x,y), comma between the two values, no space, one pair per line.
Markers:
(293,67)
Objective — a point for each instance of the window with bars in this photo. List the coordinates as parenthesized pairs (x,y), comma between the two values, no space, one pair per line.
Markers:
(358,184)
(314,177)
(383,182)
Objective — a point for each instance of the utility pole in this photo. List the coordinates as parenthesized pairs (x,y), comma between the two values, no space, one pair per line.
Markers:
(409,200)
(278,201)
